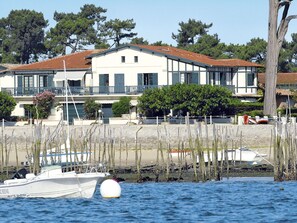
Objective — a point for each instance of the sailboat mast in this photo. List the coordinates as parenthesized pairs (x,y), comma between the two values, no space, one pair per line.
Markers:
(66,99)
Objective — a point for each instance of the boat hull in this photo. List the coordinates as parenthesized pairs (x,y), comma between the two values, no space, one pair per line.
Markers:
(66,185)
(235,155)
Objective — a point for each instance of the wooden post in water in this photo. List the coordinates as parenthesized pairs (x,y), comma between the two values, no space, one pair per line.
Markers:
(215,154)
(278,154)
(137,163)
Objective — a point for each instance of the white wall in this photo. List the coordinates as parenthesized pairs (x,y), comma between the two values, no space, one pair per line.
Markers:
(111,64)
(7,81)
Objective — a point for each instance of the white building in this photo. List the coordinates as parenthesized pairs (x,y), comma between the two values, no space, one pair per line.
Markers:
(107,75)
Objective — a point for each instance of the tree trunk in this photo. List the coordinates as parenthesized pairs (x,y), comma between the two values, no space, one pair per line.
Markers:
(276,35)
(271,61)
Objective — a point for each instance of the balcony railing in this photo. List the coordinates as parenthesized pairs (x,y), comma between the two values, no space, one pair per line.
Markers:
(99,90)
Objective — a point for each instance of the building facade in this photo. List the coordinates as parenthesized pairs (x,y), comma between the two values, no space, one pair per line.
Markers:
(107,75)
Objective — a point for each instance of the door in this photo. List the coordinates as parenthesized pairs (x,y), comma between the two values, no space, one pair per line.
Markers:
(119,83)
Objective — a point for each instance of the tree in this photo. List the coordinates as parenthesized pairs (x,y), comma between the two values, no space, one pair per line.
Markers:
(117,30)
(190,32)
(155,101)
(91,108)
(276,34)
(255,50)
(139,41)
(192,98)
(208,45)
(43,102)
(121,107)
(75,31)
(7,105)
(22,34)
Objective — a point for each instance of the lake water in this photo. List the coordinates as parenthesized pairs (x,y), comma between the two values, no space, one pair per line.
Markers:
(233,200)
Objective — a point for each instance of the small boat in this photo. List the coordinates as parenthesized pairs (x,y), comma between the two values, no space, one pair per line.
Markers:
(53,183)
(243,154)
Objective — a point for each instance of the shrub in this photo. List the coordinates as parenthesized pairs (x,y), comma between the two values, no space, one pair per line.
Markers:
(43,103)
(243,108)
(7,105)
(121,107)
(91,108)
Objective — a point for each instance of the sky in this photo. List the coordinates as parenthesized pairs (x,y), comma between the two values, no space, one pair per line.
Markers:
(235,21)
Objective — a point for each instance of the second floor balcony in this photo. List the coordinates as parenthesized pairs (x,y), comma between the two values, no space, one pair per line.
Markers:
(99,90)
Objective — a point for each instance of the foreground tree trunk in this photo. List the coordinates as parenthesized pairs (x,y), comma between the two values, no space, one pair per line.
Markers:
(276,35)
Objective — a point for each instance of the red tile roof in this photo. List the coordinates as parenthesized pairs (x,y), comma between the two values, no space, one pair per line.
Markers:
(282,78)
(74,61)
(180,53)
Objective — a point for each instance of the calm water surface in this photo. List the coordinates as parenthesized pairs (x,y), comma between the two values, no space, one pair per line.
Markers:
(233,200)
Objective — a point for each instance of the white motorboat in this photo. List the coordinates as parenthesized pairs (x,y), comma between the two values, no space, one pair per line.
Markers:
(243,154)
(53,183)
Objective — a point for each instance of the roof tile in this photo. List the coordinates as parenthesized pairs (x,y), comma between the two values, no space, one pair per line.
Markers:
(74,61)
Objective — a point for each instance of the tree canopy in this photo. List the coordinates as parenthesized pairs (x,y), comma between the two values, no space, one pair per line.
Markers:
(75,30)
(7,104)
(190,32)
(192,98)
(116,30)
(22,35)
(23,38)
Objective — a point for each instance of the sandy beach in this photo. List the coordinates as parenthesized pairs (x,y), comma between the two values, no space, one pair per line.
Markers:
(255,137)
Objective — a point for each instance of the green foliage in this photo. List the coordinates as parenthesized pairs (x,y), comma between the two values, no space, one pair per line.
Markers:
(117,30)
(139,41)
(22,33)
(75,30)
(91,108)
(208,45)
(192,98)
(189,32)
(43,103)
(249,108)
(121,107)
(7,105)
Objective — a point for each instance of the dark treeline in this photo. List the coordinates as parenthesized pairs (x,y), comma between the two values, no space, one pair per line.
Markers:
(25,37)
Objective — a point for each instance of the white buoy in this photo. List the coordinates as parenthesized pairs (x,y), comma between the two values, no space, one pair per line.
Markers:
(110,189)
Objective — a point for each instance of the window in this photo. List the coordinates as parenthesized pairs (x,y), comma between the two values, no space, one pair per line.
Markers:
(135,59)
(42,81)
(250,79)
(148,79)
(223,79)
(123,58)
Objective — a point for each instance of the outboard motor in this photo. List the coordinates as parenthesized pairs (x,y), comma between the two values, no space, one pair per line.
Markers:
(20,174)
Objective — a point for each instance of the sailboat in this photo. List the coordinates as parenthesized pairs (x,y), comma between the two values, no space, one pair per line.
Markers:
(52,182)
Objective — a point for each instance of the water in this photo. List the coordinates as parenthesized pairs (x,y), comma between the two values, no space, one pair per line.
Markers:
(233,200)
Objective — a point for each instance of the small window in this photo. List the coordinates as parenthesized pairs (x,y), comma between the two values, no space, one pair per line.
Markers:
(251,78)
(123,59)
(135,59)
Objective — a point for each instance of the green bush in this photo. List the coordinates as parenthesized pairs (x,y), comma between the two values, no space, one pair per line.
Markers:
(7,105)
(91,108)
(198,100)
(121,107)
(246,108)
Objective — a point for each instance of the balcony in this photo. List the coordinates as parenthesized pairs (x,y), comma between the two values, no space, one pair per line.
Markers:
(99,90)
(60,91)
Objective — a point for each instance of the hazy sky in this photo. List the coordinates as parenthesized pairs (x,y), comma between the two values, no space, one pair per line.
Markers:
(235,21)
